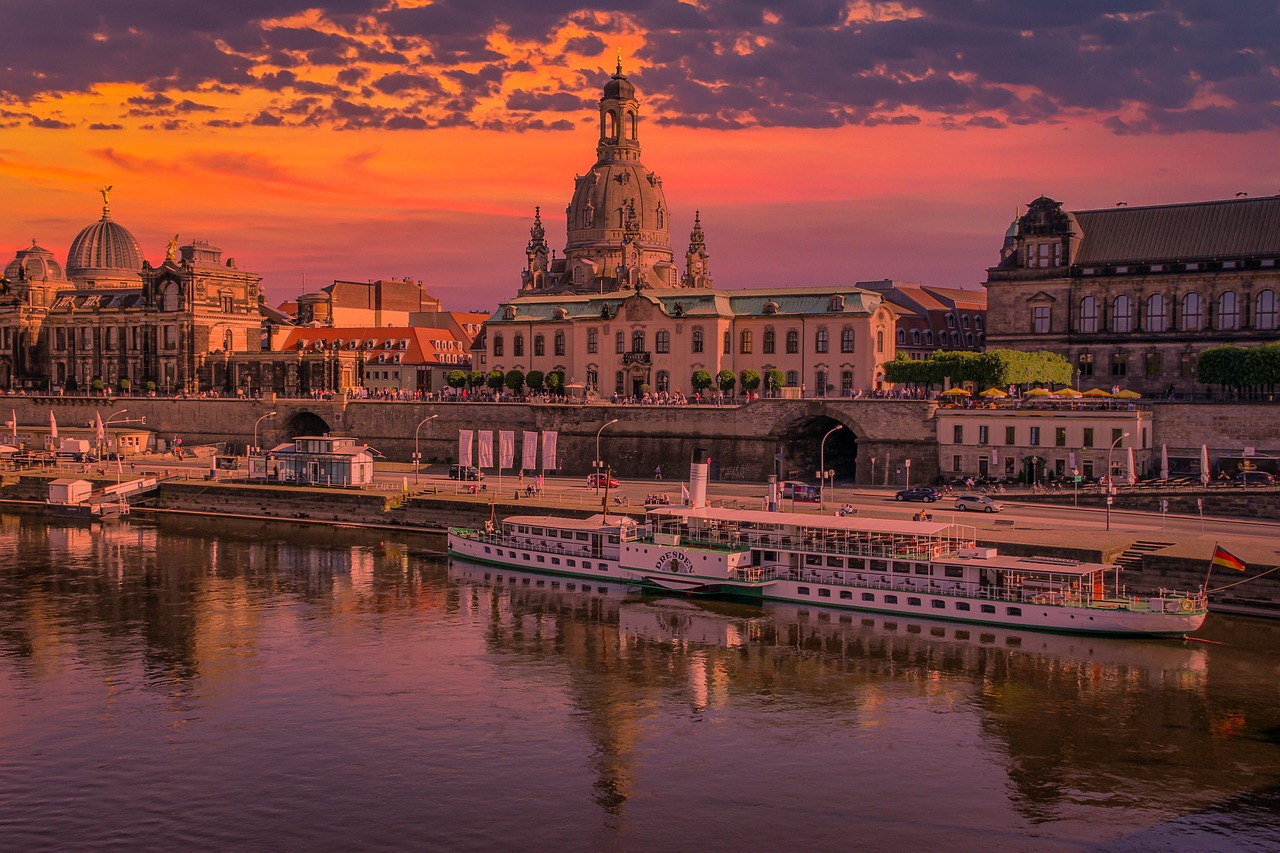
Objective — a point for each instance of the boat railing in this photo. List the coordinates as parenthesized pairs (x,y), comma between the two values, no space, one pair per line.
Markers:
(568,549)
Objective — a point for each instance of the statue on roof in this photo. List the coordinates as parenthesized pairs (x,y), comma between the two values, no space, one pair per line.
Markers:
(171,250)
(106,198)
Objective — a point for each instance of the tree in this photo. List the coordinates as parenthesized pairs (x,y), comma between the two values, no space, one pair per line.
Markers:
(701,380)
(726,380)
(514,380)
(97,385)
(555,382)
(750,380)
(150,386)
(125,386)
(494,379)
(456,378)
(476,378)
(71,384)
(534,379)
(774,379)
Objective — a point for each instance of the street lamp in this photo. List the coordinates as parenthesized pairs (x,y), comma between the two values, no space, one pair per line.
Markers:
(255,428)
(417,456)
(822,463)
(599,466)
(1111,487)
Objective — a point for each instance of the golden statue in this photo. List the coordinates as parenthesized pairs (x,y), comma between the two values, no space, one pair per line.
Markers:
(172,248)
(106,199)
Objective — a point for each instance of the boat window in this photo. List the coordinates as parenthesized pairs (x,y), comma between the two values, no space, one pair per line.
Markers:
(486,549)
(523,529)
(835,562)
(901,568)
(541,583)
(555,584)
(586,565)
(988,608)
(938,603)
(868,596)
(891,599)
(541,559)
(771,555)
(953,572)
(1013,611)
(555,561)
(824,593)
(922,568)
(813,559)
(613,539)
(526,556)
(566,534)
(962,605)
(571,563)
(914,602)
(802,590)
(537,531)
(846,594)
(581,537)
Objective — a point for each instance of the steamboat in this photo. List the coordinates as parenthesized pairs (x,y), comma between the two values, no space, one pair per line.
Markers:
(916,568)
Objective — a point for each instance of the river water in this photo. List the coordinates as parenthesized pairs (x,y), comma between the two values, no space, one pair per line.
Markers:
(218,685)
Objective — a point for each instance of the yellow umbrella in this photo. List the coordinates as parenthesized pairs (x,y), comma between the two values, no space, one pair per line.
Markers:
(1038,392)
(1096,392)
(1127,395)
(955,392)
(1069,392)
(993,392)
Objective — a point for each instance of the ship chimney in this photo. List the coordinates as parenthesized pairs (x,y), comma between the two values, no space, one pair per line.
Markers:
(698,473)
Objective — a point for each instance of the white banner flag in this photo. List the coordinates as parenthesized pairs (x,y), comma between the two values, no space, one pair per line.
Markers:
(485,437)
(995,456)
(1071,460)
(549,450)
(506,449)
(464,447)
(530,452)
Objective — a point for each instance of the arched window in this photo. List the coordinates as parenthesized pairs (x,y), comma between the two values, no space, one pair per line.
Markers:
(951,320)
(964,321)
(559,343)
(955,341)
(793,378)
(697,340)
(744,341)
(662,341)
(593,341)
(1228,311)
(593,378)
(1266,312)
(821,343)
(664,380)
(618,380)
(820,382)
(880,340)
(662,218)
(579,274)
(1157,313)
(620,342)
(497,346)
(539,345)
(769,341)
(728,342)
(793,344)
(637,341)
(928,337)
(1192,312)
(977,323)
(902,337)
(846,340)
(915,337)
(968,339)
(1089,314)
(517,346)
(1122,314)
(846,383)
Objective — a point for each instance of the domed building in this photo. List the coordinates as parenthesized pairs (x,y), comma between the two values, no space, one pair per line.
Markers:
(105,254)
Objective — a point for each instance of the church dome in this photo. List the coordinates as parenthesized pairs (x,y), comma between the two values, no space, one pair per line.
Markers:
(619,87)
(34,264)
(105,250)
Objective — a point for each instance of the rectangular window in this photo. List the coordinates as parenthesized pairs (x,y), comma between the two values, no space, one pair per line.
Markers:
(1187,364)
(1060,437)
(1088,437)
(1155,365)
(957,433)
(824,593)
(1040,319)
(953,572)
(987,608)
(937,604)
(1035,436)
(1009,435)
(1119,364)
(846,594)
(802,590)
(913,601)
(962,605)
(868,596)
(957,463)
(1013,611)
(1086,364)
(983,434)
(891,599)
(1117,434)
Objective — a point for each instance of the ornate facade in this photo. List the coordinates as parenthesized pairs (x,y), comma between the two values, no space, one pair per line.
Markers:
(1132,295)
(615,316)
(115,321)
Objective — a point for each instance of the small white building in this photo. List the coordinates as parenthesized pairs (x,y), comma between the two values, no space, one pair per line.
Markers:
(321,461)
(66,490)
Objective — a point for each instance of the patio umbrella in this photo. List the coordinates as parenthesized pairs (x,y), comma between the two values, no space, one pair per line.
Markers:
(1096,392)
(1204,465)
(993,392)
(1038,392)
(955,392)
(1127,395)
(1164,462)
(1068,392)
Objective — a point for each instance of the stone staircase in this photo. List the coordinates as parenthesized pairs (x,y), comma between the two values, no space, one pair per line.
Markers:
(1131,558)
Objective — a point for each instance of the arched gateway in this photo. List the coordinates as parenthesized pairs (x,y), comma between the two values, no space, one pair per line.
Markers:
(801,451)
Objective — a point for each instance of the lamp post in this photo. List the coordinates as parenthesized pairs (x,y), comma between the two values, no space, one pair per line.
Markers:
(106,424)
(417,456)
(822,463)
(255,428)
(111,417)
(1111,486)
(599,466)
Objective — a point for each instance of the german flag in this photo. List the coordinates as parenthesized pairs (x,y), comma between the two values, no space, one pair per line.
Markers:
(1224,559)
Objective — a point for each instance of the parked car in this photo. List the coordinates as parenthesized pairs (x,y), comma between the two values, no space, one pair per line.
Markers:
(919,493)
(790,487)
(598,480)
(978,503)
(465,472)
(1254,478)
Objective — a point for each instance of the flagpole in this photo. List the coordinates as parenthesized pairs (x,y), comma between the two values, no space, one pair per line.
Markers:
(1209,573)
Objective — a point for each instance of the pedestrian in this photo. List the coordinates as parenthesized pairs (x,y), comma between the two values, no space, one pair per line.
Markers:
(657,472)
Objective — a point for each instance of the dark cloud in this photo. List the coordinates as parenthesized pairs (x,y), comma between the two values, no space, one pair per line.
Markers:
(97,125)
(51,124)
(1148,66)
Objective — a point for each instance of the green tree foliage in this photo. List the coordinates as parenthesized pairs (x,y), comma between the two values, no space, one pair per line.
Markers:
(774,379)
(750,380)
(726,380)
(992,368)
(1249,371)
(514,380)
(555,382)
(494,379)
(97,385)
(125,386)
(476,378)
(534,379)
(456,378)
(701,380)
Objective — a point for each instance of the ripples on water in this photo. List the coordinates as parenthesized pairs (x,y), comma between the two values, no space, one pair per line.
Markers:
(224,686)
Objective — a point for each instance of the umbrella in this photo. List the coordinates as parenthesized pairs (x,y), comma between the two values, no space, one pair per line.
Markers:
(1204,465)
(1096,392)
(1127,395)
(1164,462)
(955,392)
(53,427)
(1038,392)
(1133,474)
(1068,392)
(993,392)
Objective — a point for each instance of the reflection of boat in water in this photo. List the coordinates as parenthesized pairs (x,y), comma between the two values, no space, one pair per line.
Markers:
(906,568)
(684,622)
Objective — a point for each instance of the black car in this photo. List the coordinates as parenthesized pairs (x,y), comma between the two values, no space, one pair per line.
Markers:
(919,493)
(465,472)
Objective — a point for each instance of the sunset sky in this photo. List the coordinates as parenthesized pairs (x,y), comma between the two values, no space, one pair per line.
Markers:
(823,142)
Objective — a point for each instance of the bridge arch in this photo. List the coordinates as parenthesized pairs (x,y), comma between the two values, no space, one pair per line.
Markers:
(304,422)
(800,452)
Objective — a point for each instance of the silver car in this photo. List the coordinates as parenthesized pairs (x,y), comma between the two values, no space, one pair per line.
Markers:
(978,503)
